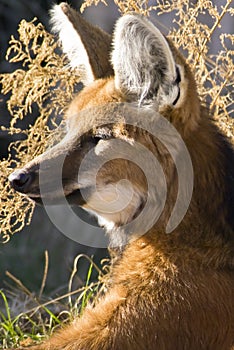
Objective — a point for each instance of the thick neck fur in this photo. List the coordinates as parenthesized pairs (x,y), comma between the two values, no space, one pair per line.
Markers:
(212,158)
(205,236)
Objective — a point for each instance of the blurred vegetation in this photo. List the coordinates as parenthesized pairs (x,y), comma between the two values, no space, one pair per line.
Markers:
(26,317)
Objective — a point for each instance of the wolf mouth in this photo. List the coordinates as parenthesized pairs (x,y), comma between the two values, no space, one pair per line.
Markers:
(73,198)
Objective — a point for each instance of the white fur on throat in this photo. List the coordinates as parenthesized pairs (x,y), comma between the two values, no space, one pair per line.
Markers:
(114,206)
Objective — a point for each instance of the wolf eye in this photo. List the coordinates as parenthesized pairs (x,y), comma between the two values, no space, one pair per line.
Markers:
(102,133)
(95,139)
(98,137)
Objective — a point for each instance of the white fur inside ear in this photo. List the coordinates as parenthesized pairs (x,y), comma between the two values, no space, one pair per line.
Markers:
(141,57)
(72,44)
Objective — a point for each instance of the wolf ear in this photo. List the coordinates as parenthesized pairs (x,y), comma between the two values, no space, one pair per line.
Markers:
(143,62)
(86,46)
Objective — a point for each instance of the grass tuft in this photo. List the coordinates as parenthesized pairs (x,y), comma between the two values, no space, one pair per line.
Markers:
(41,316)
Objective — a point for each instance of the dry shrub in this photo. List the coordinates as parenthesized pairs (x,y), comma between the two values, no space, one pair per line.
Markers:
(46,83)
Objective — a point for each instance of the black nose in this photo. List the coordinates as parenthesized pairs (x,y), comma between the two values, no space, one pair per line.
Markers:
(21,180)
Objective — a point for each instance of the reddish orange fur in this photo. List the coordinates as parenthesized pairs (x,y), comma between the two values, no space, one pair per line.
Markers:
(167,291)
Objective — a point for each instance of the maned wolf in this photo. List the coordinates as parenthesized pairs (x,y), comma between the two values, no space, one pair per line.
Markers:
(170,288)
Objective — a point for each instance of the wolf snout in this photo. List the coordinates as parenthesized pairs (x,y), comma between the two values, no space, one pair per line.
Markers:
(21,180)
